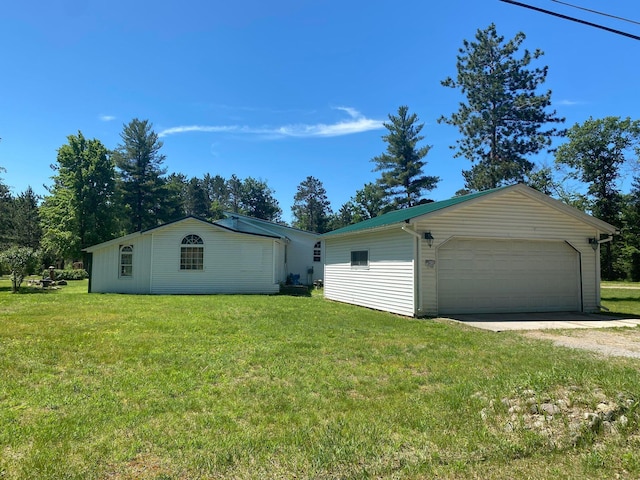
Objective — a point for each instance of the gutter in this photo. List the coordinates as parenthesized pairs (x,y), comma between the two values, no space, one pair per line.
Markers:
(605,240)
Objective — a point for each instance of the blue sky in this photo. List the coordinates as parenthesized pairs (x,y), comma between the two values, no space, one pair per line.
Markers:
(281,89)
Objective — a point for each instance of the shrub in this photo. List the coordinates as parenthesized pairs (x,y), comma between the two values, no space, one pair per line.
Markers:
(19,262)
(68,274)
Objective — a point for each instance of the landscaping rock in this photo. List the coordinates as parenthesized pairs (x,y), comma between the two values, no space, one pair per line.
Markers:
(549,408)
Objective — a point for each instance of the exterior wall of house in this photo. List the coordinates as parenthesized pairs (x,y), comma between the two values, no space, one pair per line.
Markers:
(233,262)
(388,281)
(105,271)
(300,257)
(300,250)
(512,215)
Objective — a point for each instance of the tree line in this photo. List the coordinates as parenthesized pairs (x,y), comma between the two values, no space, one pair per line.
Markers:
(99,194)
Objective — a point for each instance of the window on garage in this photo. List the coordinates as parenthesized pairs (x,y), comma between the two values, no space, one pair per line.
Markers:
(359,258)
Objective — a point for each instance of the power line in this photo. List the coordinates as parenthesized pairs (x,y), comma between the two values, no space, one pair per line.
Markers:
(597,12)
(573,19)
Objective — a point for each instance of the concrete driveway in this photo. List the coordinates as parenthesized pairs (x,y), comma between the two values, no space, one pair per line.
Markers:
(499,322)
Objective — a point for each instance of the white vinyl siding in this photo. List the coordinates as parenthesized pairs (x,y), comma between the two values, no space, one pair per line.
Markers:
(509,216)
(388,282)
(233,262)
(105,270)
(304,251)
(514,225)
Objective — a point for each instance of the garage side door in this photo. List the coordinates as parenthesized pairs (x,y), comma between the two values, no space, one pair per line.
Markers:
(493,276)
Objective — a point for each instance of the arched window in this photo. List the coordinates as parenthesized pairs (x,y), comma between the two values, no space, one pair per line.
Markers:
(192,253)
(126,261)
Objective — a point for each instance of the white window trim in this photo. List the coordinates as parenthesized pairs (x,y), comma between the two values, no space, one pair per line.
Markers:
(199,245)
(360,267)
(120,264)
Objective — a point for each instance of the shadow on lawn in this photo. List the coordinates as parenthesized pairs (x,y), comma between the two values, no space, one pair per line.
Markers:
(28,290)
(295,290)
(623,299)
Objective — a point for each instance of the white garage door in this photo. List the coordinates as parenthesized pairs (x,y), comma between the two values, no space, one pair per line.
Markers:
(493,276)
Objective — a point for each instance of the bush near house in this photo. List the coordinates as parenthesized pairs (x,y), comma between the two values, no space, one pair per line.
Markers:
(231,386)
(68,274)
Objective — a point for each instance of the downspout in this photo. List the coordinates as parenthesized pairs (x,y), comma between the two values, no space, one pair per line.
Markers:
(417,269)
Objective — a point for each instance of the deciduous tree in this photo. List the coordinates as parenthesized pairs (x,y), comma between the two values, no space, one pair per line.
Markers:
(595,153)
(257,200)
(80,209)
(20,261)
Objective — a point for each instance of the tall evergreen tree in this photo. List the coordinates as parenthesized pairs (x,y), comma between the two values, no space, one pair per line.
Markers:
(26,219)
(196,200)
(139,161)
(6,209)
(346,215)
(311,208)
(217,193)
(402,164)
(80,209)
(234,190)
(503,119)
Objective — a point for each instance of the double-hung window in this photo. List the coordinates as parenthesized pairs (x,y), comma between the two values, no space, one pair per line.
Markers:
(192,253)
(126,261)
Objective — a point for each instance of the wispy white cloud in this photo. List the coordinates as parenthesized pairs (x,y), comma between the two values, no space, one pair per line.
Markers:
(199,128)
(357,123)
(106,118)
(569,103)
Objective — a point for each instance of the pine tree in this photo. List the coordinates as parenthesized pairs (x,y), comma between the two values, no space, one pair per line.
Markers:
(502,121)
(26,219)
(402,164)
(311,208)
(139,161)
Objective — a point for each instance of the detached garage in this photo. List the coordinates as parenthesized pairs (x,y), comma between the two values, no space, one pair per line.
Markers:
(510,249)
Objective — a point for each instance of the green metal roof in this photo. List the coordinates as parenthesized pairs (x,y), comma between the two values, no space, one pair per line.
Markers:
(406,214)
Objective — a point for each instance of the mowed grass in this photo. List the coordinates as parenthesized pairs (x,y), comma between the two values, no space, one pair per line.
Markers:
(180,387)
(621,297)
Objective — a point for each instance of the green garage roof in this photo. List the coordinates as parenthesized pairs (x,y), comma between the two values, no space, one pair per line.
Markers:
(406,214)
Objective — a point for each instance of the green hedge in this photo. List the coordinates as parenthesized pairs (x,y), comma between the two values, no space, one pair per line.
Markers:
(70,274)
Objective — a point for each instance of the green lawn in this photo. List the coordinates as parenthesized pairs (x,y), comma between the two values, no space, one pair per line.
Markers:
(621,297)
(181,387)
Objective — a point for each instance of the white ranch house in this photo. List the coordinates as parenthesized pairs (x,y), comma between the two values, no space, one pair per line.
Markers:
(510,249)
(238,254)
